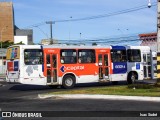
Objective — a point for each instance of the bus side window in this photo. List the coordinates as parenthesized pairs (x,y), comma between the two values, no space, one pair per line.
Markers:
(134,55)
(86,56)
(118,55)
(68,56)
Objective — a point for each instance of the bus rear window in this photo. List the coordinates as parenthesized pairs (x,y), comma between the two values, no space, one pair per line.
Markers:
(33,56)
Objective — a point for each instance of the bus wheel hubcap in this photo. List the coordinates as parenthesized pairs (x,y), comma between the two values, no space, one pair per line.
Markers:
(69,82)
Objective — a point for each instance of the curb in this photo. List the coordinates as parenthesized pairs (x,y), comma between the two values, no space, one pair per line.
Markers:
(104,97)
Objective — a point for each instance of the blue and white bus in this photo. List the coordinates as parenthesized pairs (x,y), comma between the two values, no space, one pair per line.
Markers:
(131,63)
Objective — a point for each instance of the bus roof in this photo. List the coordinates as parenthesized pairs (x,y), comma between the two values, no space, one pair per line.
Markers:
(74,47)
(25,46)
(81,47)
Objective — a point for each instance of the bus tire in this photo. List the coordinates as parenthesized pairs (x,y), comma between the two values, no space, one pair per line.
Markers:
(68,81)
(129,80)
(132,76)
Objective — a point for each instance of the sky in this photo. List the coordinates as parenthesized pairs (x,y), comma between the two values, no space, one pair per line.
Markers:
(32,13)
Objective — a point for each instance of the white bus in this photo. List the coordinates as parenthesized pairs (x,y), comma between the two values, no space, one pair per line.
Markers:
(21,69)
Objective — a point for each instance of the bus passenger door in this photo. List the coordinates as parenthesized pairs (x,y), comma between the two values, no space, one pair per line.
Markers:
(147,65)
(103,66)
(51,68)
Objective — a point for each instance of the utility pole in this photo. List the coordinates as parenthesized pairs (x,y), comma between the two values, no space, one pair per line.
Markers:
(50,22)
(158,42)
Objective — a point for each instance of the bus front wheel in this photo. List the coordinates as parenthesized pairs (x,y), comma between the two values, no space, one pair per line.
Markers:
(68,81)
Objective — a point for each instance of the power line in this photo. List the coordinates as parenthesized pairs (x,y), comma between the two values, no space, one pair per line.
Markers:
(109,40)
(37,24)
(117,40)
(127,42)
(42,31)
(98,16)
(109,14)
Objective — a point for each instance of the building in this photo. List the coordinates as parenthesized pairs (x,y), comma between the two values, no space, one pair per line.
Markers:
(10,32)
(6,21)
(48,41)
(8,29)
(24,35)
(149,39)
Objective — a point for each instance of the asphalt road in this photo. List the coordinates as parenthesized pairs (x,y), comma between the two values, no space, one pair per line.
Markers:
(14,97)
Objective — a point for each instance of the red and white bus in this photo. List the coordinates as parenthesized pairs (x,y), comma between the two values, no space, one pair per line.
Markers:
(70,65)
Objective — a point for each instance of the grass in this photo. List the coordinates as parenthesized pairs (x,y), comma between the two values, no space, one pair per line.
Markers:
(140,90)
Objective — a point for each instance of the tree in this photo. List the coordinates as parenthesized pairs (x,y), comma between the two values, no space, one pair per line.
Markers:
(6,44)
(94,44)
(20,43)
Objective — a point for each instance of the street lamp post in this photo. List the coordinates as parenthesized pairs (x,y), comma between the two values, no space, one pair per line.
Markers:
(80,35)
(1,44)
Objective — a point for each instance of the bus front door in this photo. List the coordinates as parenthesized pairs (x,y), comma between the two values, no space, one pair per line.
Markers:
(103,66)
(147,65)
(51,68)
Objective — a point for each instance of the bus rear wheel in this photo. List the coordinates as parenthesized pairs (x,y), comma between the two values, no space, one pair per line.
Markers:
(68,82)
